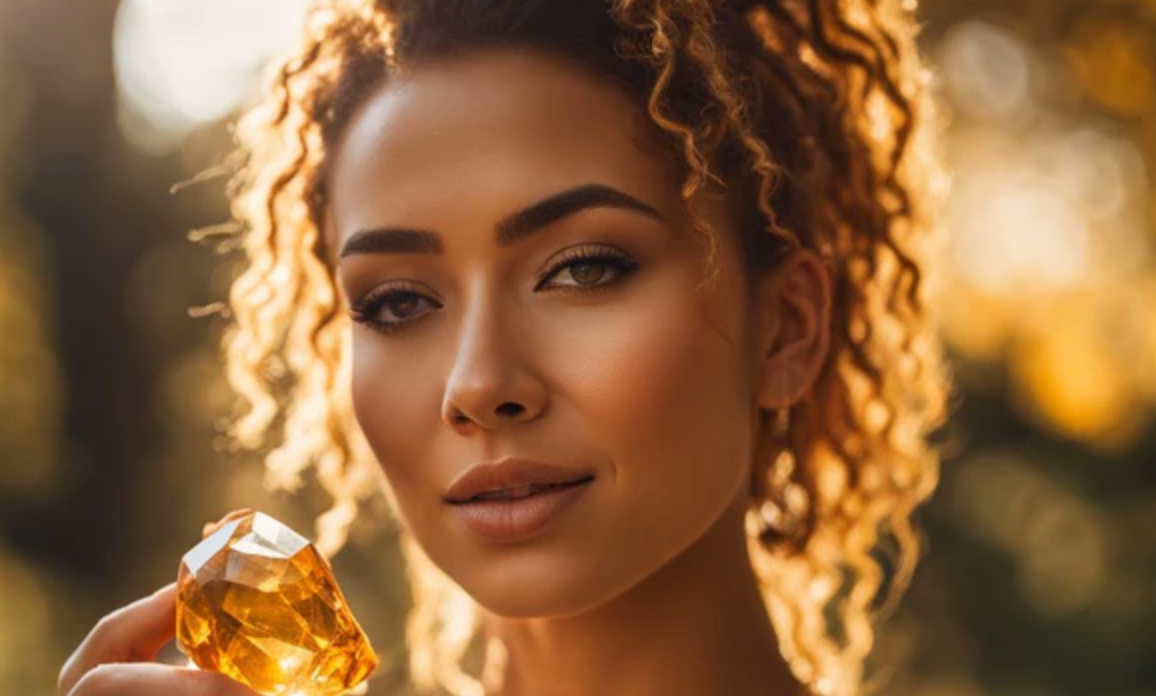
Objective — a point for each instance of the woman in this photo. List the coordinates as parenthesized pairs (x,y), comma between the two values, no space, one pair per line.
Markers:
(626,302)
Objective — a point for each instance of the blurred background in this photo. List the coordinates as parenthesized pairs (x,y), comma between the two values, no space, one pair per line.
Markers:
(1040,578)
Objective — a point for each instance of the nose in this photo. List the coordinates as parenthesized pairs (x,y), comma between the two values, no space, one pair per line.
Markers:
(491,385)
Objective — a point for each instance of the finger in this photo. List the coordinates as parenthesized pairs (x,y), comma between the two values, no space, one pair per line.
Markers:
(133,633)
(211,527)
(149,679)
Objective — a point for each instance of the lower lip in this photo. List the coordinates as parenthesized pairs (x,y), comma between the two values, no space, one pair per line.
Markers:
(516,520)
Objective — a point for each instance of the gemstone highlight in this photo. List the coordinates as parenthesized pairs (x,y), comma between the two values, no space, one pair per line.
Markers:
(257,602)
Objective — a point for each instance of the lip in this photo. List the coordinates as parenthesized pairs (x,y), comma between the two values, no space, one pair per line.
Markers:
(515,519)
(509,521)
(509,473)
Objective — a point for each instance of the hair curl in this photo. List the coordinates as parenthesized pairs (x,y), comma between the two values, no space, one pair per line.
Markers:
(817,110)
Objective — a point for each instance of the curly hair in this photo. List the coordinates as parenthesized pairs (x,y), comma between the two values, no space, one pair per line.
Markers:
(816,111)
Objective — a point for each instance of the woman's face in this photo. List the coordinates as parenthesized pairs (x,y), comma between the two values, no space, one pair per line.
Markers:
(617,365)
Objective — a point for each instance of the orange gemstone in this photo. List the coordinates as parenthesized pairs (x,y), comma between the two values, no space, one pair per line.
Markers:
(256,601)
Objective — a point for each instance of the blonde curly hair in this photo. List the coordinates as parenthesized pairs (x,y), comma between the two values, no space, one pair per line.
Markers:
(816,111)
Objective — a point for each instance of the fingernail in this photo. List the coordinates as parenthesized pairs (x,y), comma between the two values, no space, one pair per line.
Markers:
(213,526)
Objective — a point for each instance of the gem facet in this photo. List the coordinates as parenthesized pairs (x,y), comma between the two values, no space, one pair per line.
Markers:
(256,601)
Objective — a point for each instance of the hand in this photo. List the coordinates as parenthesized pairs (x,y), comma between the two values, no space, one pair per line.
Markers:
(116,659)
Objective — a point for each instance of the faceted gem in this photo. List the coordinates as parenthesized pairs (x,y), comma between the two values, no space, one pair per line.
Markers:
(256,601)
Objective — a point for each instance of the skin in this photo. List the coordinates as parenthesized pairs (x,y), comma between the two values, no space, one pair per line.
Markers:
(116,657)
(649,382)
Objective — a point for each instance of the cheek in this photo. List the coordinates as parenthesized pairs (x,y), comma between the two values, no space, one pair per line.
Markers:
(659,381)
(397,406)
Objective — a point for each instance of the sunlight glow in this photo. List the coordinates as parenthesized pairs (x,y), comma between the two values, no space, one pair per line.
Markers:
(184,63)
(1048,238)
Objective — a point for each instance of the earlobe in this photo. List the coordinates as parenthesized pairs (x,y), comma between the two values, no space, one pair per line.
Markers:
(775,390)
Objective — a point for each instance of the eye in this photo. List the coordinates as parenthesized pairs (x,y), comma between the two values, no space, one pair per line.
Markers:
(588,268)
(389,308)
(393,307)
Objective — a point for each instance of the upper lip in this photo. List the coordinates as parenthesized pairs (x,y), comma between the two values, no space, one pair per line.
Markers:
(509,473)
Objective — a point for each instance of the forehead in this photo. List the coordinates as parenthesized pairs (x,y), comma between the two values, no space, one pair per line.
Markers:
(490,132)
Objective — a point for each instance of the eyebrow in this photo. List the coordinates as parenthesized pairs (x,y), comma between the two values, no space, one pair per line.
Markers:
(512,228)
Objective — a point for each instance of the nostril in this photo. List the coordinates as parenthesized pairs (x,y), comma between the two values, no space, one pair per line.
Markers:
(511,409)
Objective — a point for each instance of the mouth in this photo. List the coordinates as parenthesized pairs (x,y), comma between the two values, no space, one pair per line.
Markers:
(517,511)
(520,492)
(512,479)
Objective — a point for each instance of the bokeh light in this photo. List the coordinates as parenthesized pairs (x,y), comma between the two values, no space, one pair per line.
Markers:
(1039,577)
(181,64)
(1056,540)
(1049,238)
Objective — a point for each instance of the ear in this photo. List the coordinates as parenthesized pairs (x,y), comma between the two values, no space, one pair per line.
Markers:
(792,314)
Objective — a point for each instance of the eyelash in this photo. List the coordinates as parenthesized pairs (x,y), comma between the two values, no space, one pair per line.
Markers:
(366,310)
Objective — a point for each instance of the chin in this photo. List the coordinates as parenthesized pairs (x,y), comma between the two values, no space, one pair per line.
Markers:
(548,603)
(536,584)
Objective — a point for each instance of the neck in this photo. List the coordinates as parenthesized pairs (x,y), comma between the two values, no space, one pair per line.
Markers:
(696,626)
